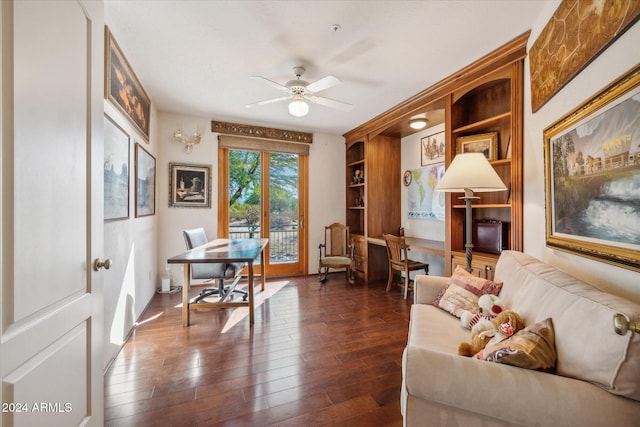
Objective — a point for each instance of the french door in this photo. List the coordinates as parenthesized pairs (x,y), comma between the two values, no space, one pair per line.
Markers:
(263,194)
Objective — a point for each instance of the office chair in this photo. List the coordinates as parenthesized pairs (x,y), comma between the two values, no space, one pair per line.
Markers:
(211,271)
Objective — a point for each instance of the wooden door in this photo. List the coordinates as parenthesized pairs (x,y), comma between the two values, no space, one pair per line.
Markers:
(51,214)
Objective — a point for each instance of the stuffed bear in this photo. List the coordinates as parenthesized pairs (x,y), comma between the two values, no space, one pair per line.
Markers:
(505,324)
(490,306)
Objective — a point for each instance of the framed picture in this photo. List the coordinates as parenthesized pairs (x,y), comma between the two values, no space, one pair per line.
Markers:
(432,149)
(116,171)
(190,185)
(123,89)
(145,182)
(592,176)
(486,143)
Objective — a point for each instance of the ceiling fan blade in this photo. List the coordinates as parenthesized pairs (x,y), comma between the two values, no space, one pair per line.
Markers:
(332,103)
(323,83)
(268,101)
(271,83)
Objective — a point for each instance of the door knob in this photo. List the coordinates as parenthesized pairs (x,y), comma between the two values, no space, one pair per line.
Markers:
(99,264)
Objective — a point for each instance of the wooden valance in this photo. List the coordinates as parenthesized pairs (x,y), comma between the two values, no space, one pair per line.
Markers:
(261,132)
(260,144)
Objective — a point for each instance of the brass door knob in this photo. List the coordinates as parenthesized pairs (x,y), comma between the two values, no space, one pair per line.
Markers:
(99,264)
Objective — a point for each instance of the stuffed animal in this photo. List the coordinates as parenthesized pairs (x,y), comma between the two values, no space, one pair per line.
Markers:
(490,306)
(505,324)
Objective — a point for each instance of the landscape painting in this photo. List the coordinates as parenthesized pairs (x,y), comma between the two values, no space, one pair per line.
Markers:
(592,165)
(116,171)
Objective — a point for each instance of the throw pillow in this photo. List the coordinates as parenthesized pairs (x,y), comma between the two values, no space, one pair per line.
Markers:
(462,292)
(531,348)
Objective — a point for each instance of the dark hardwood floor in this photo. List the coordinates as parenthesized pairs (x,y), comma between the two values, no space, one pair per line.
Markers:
(317,355)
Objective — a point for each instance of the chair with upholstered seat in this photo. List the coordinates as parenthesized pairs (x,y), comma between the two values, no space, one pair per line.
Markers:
(212,271)
(399,260)
(336,252)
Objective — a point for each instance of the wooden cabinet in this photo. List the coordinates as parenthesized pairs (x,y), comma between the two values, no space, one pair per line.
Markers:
(490,105)
(372,198)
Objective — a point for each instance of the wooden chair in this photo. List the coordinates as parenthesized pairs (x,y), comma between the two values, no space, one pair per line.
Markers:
(336,252)
(399,261)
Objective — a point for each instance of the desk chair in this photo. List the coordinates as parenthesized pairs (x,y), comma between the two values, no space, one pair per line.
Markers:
(399,261)
(336,252)
(218,271)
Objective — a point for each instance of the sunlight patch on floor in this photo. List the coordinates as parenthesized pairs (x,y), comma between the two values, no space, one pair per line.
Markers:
(270,289)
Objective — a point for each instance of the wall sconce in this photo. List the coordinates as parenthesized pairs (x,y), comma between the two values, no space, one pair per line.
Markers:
(621,324)
(188,141)
(418,123)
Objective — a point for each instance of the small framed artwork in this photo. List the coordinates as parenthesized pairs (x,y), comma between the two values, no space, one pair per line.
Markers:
(432,149)
(190,185)
(485,143)
(116,171)
(123,89)
(145,182)
(592,176)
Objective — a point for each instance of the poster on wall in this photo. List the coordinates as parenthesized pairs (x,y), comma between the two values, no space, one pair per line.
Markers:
(424,202)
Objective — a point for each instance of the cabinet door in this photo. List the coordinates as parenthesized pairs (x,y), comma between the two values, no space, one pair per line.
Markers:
(479,267)
(359,253)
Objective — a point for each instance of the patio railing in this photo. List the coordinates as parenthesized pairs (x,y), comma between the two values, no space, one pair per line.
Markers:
(283,240)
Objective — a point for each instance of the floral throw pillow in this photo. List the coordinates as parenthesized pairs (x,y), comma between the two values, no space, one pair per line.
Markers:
(533,347)
(463,290)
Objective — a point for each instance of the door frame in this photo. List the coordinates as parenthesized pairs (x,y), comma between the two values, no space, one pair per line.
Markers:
(273,270)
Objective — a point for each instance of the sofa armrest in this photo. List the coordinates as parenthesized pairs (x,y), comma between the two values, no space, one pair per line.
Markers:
(426,288)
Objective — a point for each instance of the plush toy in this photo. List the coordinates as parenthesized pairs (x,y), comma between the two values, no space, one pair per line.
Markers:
(504,325)
(489,307)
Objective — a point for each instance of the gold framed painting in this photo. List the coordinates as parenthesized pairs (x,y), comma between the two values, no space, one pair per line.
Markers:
(123,89)
(485,143)
(592,176)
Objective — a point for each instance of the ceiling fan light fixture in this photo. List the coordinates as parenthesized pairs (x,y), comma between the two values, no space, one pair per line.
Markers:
(298,108)
(418,123)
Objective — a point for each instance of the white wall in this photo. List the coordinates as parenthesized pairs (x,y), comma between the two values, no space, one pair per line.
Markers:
(613,62)
(424,229)
(132,245)
(326,188)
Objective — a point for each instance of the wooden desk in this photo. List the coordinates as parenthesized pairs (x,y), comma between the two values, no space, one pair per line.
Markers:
(221,251)
(433,247)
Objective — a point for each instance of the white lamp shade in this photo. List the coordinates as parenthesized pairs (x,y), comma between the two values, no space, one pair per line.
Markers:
(298,108)
(470,171)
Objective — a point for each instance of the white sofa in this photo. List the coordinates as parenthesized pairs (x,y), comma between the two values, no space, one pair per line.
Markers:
(597,378)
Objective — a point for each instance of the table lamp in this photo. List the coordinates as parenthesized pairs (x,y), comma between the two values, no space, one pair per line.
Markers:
(469,173)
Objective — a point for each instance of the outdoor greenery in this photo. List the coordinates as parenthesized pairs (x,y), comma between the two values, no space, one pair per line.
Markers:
(244,187)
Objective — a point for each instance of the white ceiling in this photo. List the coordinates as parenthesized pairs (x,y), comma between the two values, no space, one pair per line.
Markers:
(195,57)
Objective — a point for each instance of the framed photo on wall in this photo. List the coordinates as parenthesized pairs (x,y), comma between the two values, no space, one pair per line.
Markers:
(592,176)
(432,149)
(485,143)
(123,89)
(116,171)
(145,182)
(189,185)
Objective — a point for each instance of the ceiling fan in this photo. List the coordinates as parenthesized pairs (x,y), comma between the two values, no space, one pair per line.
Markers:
(298,90)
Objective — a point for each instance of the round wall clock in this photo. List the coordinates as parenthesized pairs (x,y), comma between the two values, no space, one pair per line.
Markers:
(407,178)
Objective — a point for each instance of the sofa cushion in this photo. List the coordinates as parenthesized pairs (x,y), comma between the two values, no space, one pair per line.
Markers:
(588,348)
(455,386)
(462,292)
(531,348)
